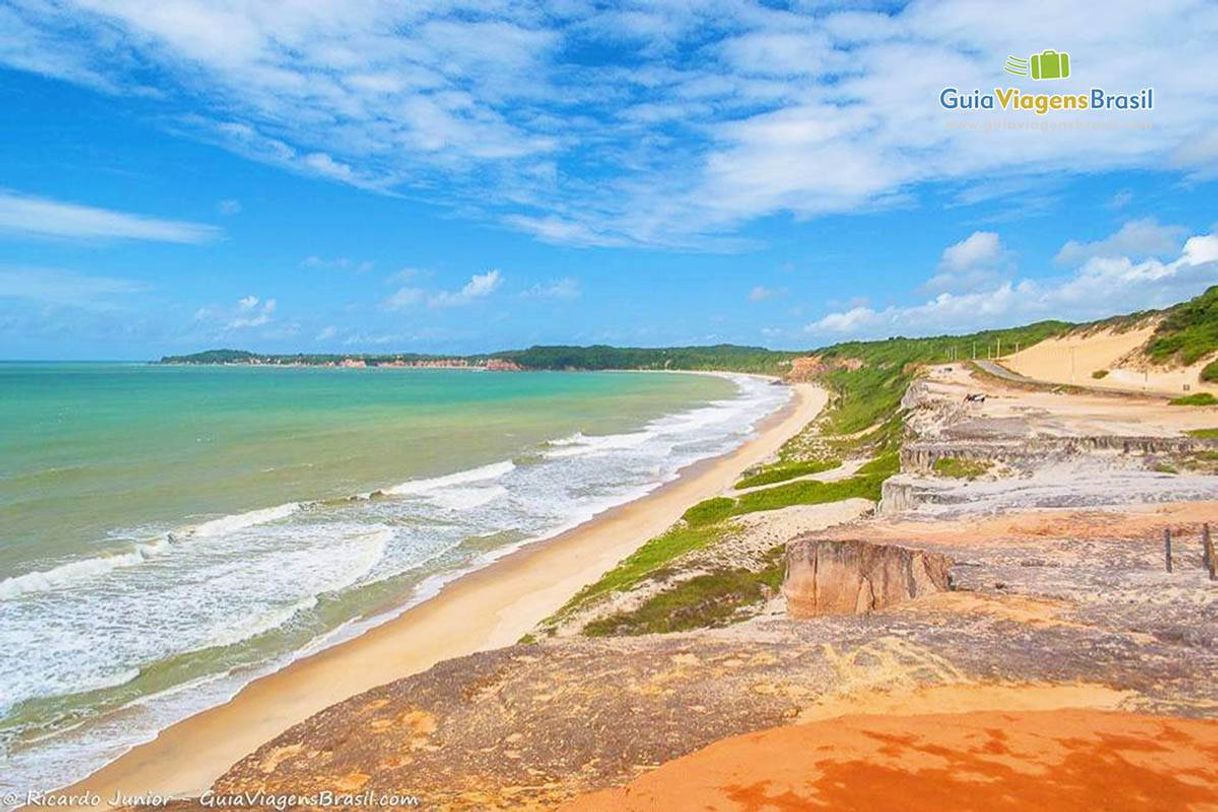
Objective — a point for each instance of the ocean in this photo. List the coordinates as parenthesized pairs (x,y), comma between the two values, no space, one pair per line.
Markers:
(168,534)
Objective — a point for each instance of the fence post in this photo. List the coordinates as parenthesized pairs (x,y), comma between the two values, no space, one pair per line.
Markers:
(1167,547)
(1211,562)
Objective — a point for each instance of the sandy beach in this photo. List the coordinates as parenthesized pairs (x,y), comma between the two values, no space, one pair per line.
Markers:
(486,609)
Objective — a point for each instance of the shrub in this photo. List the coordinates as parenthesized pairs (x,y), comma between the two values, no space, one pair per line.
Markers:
(649,559)
(1198,399)
(782,471)
(702,601)
(709,511)
(960,469)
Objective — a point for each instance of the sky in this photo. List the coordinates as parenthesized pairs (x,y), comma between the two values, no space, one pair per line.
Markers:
(359,176)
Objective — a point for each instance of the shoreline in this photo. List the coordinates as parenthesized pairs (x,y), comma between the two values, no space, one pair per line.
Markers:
(505,600)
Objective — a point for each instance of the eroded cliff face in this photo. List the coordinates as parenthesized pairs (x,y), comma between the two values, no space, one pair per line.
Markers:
(856,577)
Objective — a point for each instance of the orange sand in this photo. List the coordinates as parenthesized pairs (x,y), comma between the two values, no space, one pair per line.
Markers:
(989,761)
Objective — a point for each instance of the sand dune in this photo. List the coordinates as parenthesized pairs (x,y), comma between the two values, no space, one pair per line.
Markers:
(1075,357)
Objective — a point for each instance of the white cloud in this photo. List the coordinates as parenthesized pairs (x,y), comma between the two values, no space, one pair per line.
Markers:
(976,261)
(338,263)
(326,333)
(1137,239)
(702,116)
(406,274)
(853,320)
(1103,286)
(565,288)
(52,286)
(403,298)
(760,293)
(26,215)
(479,286)
(248,312)
(229,207)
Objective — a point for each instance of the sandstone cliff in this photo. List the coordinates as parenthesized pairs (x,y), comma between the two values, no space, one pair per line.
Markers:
(855,577)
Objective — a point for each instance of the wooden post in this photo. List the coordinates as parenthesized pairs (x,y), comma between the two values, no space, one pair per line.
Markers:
(1211,562)
(1167,547)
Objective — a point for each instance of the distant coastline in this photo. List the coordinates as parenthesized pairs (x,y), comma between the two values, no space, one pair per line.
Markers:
(720,358)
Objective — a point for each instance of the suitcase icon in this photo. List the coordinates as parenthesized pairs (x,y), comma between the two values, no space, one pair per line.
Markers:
(1049,64)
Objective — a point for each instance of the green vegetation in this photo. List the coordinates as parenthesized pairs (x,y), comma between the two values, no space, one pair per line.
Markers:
(700,602)
(714,599)
(1100,374)
(865,485)
(1166,468)
(867,394)
(1188,333)
(719,357)
(211,357)
(782,471)
(960,468)
(709,511)
(1204,434)
(1197,399)
(305,359)
(649,559)
(727,357)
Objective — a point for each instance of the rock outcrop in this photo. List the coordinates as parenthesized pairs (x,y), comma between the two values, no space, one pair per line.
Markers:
(855,577)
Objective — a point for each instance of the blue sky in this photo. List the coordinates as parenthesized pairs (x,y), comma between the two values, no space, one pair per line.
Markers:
(457,177)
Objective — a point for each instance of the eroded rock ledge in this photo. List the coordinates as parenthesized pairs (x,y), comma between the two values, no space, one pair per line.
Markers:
(856,577)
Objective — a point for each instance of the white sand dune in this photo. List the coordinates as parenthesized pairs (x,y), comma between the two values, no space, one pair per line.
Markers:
(1076,356)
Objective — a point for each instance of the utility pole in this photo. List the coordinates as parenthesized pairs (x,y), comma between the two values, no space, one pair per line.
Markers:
(974,350)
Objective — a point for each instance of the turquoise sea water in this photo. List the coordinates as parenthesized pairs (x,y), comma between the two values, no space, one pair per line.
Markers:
(168,533)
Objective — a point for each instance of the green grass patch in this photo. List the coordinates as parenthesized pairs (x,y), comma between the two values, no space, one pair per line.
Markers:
(872,393)
(865,486)
(1100,374)
(885,464)
(1188,332)
(704,601)
(782,471)
(1166,468)
(960,468)
(1204,434)
(700,602)
(650,558)
(1197,399)
(709,511)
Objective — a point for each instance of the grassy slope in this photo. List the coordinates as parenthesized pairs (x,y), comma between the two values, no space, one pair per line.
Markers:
(1188,333)
(864,419)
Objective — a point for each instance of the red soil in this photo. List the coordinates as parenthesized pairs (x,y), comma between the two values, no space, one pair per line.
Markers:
(987,761)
